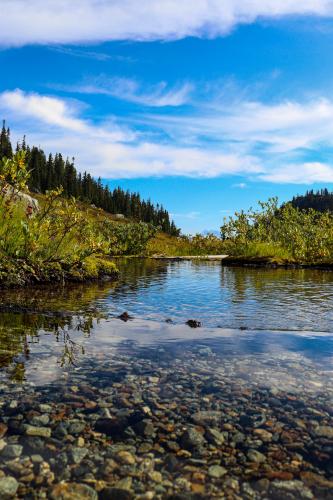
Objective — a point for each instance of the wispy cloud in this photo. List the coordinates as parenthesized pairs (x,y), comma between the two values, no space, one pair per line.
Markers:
(306,173)
(51,22)
(279,127)
(187,215)
(56,113)
(240,185)
(275,143)
(108,149)
(159,95)
(90,54)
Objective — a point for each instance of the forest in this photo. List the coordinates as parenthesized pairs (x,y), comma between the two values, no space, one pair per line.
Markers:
(52,171)
(321,200)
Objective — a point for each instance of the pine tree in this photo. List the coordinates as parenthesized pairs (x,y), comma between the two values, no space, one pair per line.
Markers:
(54,171)
(6,150)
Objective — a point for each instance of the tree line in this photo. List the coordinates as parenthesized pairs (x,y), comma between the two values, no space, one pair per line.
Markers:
(52,171)
(321,200)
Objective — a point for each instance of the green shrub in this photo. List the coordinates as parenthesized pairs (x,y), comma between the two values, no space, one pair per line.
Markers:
(286,232)
(127,239)
(59,241)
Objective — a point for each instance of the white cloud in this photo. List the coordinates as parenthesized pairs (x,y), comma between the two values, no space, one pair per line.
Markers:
(188,215)
(90,54)
(241,185)
(281,127)
(108,150)
(54,112)
(306,173)
(130,90)
(257,141)
(60,21)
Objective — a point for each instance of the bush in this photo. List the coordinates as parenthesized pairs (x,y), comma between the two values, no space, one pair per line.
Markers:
(127,239)
(51,243)
(286,232)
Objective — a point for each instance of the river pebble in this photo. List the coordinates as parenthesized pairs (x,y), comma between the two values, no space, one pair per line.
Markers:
(142,425)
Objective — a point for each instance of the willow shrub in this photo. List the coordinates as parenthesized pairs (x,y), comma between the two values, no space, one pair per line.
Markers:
(286,232)
(58,241)
(127,238)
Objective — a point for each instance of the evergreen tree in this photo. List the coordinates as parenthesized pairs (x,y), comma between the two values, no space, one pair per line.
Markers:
(54,171)
(5,144)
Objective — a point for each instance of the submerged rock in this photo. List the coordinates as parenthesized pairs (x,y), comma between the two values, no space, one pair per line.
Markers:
(125,316)
(8,487)
(192,439)
(193,323)
(73,491)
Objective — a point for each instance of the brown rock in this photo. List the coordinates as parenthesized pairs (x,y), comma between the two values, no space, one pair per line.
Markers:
(73,491)
(3,429)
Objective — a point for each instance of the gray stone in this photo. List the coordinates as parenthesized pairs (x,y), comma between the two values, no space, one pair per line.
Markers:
(73,491)
(40,420)
(206,417)
(45,408)
(324,431)
(77,454)
(76,427)
(32,430)
(214,436)
(217,471)
(12,451)
(256,456)
(289,490)
(8,487)
(192,439)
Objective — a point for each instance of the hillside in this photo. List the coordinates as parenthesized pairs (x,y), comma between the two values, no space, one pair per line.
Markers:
(50,172)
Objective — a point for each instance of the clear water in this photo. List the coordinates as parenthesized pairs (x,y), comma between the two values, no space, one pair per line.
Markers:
(242,311)
(263,357)
(271,299)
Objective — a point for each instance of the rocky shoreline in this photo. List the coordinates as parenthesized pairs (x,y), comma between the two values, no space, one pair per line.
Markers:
(152,424)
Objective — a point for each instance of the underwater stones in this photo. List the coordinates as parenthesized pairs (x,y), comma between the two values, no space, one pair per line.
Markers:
(256,456)
(73,491)
(324,431)
(216,471)
(31,430)
(263,435)
(125,316)
(206,417)
(125,457)
(8,487)
(77,454)
(289,490)
(214,436)
(153,424)
(12,451)
(76,427)
(115,494)
(193,323)
(192,439)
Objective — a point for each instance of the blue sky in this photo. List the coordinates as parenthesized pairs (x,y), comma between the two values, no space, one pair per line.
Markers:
(205,107)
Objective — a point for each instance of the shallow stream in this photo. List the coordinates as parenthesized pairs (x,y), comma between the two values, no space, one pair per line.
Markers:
(97,407)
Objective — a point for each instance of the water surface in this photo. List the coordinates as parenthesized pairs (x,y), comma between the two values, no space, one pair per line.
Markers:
(262,360)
